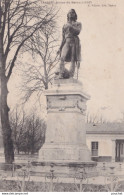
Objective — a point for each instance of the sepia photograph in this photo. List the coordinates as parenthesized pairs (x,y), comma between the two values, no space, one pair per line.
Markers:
(61,96)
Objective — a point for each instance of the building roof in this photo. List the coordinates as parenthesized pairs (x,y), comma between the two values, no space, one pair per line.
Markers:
(105,128)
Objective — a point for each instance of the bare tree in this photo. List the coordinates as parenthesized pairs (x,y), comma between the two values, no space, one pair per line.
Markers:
(34,136)
(42,46)
(17,123)
(28,131)
(95,118)
(19,20)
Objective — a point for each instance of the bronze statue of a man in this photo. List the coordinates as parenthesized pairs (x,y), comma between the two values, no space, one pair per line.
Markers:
(70,49)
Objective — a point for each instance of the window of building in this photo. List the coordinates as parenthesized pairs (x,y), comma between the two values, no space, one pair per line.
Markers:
(94,148)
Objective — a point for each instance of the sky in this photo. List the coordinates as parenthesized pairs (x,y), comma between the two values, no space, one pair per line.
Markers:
(102,65)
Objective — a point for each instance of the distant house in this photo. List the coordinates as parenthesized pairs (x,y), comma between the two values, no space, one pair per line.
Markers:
(106,141)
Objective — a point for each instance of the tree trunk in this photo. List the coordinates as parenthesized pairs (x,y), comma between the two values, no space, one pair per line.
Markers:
(6,129)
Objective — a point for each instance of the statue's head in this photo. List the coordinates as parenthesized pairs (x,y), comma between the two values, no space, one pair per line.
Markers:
(72,15)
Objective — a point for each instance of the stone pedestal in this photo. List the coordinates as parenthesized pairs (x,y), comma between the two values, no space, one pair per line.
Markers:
(65,135)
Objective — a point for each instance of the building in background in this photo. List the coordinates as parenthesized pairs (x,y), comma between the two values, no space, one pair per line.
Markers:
(106,141)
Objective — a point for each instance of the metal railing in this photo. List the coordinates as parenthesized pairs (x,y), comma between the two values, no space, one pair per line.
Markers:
(83,179)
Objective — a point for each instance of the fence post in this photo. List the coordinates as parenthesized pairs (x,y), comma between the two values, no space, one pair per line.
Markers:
(82,172)
(120,167)
(81,184)
(51,177)
(13,169)
(104,166)
(23,180)
(111,177)
(29,166)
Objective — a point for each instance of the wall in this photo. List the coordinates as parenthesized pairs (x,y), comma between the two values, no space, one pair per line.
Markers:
(104,144)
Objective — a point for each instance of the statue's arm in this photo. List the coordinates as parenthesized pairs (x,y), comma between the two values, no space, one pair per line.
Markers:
(63,39)
(76,29)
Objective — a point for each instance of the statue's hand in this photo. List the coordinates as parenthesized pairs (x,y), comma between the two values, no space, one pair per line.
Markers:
(68,26)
